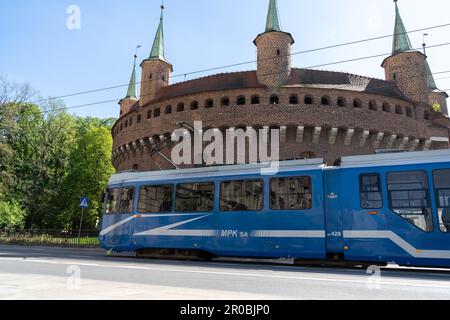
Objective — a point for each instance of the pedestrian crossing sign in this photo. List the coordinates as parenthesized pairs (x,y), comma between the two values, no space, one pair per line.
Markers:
(84,203)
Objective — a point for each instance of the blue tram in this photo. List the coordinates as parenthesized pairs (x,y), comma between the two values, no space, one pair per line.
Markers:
(377,209)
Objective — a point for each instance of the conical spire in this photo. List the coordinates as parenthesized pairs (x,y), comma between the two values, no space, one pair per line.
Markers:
(132,86)
(273,20)
(158,44)
(401,39)
(430,79)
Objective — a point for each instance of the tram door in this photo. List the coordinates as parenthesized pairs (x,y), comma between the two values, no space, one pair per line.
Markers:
(333,212)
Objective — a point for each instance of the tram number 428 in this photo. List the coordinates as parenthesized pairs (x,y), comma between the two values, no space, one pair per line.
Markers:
(233,234)
(335,234)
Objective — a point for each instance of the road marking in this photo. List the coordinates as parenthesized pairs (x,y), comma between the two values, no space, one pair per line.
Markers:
(430,284)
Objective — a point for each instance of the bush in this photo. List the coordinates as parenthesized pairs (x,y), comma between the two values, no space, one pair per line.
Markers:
(12,215)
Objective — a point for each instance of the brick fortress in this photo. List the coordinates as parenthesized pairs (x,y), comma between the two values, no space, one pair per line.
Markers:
(319,113)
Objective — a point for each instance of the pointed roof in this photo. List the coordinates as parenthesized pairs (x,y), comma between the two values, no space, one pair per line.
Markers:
(273,20)
(401,39)
(430,79)
(158,44)
(131,93)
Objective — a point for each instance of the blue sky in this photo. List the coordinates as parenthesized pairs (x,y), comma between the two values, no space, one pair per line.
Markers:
(37,47)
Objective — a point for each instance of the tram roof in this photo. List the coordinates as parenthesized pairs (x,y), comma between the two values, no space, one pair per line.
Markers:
(396,158)
(247,169)
(373,160)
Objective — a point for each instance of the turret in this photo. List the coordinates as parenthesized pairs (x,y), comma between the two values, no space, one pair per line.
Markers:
(156,71)
(436,97)
(406,67)
(274,51)
(131,98)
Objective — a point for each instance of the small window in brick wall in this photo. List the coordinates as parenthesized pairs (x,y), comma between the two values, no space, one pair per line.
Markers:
(180,107)
(398,110)
(325,101)
(373,105)
(139,119)
(309,100)
(357,104)
(168,110)
(293,99)
(386,107)
(194,105)
(241,100)
(149,114)
(157,113)
(225,102)
(274,99)
(341,102)
(209,103)
(427,116)
(131,121)
(255,99)
(126,124)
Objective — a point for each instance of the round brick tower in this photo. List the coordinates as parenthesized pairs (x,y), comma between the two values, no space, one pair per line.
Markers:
(407,69)
(322,114)
(274,51)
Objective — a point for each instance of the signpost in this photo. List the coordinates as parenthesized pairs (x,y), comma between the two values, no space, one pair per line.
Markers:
(84,204)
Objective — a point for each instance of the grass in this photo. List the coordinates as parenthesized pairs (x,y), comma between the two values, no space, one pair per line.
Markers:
(44,239)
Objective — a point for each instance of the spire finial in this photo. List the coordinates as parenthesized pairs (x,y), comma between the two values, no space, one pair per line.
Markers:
(273,20)
(158,44)
(401,41)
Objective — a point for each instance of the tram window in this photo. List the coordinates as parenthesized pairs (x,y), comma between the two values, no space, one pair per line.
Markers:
(195,197)
(291,193)
(408,194)
(442,189)
(370,191)
(155,199)
(244,195)
(126,200)
(112,201)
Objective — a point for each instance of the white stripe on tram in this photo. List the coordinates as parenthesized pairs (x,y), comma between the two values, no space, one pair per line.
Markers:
(349,234)
(414,252)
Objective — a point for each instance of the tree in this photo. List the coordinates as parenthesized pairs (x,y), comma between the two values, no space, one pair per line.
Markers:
(48,159)
(11,95)
(12,215)
(437,107)
(41,142)
(89,171)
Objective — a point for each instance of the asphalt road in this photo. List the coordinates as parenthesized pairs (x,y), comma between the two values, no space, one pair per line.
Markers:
(56,273)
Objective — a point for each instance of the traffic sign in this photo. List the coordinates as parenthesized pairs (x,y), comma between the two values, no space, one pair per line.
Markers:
(84,203)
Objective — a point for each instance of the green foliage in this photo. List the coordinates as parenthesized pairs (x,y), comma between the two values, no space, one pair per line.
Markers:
(48,160)
(12,215)
(437,107)
(90,169)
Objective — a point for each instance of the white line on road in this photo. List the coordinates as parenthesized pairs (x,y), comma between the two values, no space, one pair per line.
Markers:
(429,284)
